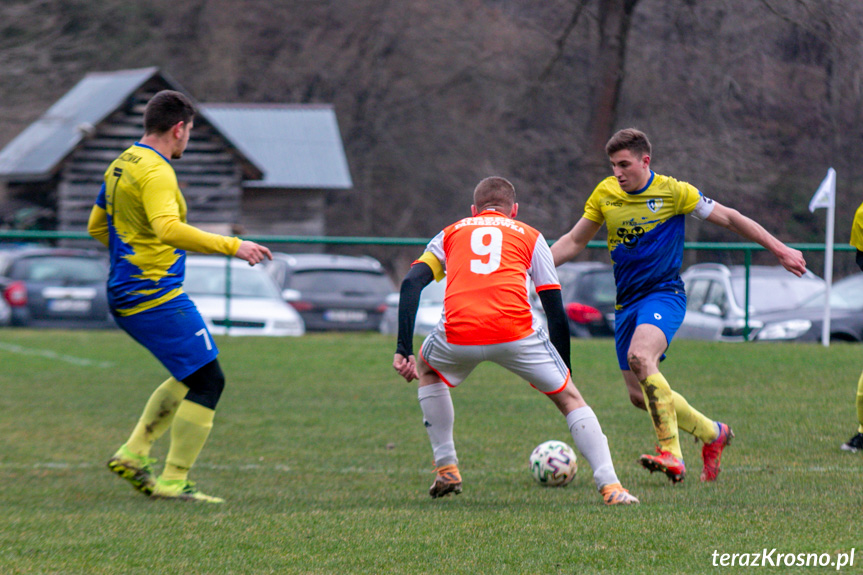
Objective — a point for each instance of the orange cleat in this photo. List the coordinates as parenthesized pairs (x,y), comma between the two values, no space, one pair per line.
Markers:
(615,494)
(448,481)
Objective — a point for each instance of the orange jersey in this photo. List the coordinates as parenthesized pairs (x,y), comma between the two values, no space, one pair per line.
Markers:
(488,259)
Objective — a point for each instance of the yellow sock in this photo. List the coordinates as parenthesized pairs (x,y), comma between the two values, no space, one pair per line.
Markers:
(693,421)
(660,404)
(189,433)
(157,417)
(860,404)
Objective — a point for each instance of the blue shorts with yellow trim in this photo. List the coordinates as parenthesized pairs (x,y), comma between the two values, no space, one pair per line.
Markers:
(175,333)
(665,310)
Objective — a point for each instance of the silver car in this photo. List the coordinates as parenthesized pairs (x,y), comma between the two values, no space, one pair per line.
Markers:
(716,296)
(255,306)
(806,323)
(428,313)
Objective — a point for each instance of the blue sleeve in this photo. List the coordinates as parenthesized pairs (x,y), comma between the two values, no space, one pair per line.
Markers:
(100,199)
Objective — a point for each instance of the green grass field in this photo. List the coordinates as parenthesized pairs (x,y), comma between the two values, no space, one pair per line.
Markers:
(320,450)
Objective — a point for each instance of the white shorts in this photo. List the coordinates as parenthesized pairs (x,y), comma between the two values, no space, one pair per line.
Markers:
(532,358)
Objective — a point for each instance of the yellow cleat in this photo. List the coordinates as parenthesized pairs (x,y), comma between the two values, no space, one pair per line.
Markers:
(615,494)
(136,469)
(181,489)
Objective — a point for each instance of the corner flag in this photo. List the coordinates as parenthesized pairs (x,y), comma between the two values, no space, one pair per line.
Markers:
(825,197)
(826,193)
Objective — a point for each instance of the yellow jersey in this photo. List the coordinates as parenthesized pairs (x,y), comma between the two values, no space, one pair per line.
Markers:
(138,211)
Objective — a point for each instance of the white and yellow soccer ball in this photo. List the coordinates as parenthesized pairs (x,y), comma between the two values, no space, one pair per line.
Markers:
(553,464)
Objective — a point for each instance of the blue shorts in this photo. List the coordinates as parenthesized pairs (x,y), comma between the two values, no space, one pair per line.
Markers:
(665,310)
(175,333)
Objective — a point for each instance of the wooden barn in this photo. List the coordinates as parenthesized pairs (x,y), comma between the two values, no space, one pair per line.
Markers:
(248,169)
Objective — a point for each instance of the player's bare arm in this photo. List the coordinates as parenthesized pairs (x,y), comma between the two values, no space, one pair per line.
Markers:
(253,253)
(729,218)
(573,242)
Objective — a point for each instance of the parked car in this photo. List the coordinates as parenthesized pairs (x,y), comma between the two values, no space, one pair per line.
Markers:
(5,308)
(588,293)
(255,307)
(806,322)
(55,287)
(333,292)
(716,298)
(428,313)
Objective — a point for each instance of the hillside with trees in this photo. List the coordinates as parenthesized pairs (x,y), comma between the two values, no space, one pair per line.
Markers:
(750,100)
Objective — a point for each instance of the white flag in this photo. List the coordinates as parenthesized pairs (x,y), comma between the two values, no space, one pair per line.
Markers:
(823,198)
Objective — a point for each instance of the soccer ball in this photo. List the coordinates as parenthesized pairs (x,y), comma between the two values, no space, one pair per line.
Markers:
(553,464)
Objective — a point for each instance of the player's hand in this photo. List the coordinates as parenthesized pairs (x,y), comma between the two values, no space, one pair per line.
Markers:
(792,260)
(406,366)
(253,253)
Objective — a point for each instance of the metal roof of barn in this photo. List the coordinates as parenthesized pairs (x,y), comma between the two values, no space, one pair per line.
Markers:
(296,146)
(36,152)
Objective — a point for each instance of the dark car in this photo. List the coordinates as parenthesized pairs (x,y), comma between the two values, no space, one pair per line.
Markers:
(56,287)
(333,292)
(806,322)
(588,293)
(716,299)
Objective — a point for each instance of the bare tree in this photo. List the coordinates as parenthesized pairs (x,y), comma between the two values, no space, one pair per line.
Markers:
(615,17)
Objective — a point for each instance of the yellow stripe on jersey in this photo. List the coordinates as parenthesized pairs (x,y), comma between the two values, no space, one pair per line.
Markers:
(150,303)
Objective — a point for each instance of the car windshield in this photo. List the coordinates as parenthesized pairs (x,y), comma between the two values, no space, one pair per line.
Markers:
(60,269)
(844,294)
(245,282)
(345,282)
(774,293)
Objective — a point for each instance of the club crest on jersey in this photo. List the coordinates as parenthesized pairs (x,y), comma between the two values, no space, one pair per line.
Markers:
(654,204)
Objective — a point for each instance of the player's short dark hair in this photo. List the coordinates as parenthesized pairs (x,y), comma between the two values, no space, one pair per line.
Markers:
(165,110)
(494,192)
(629,139)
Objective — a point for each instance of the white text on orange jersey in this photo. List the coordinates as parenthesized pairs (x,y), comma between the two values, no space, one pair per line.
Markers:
(502,222)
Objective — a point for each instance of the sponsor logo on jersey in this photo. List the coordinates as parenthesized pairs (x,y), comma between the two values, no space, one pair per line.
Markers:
(629,236)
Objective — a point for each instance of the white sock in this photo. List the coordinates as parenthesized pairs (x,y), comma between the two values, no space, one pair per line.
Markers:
(592,443)
(438,418)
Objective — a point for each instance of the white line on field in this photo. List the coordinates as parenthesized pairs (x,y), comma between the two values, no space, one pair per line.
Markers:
(50,354)
(280,467)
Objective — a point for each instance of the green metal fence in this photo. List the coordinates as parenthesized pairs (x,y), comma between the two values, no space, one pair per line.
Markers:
(746,248)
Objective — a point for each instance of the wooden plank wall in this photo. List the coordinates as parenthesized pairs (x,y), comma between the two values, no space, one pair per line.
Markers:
(208,173)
